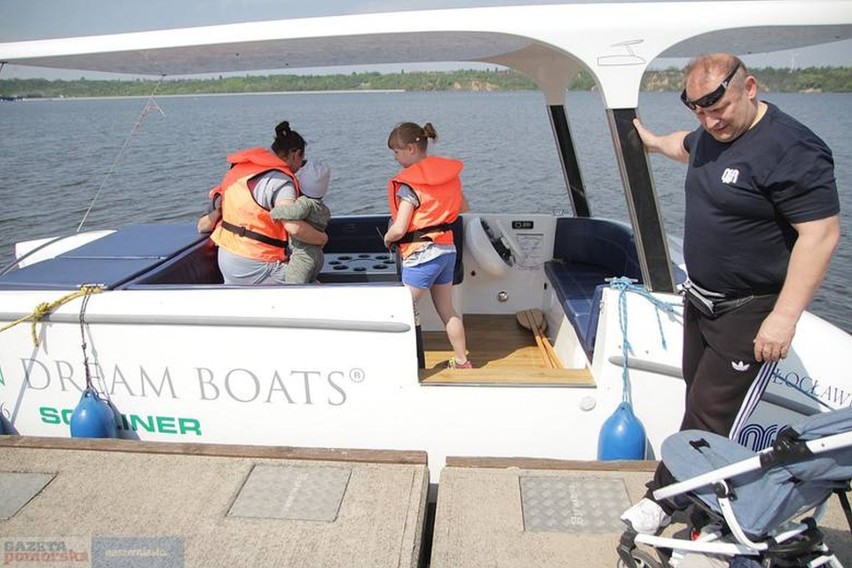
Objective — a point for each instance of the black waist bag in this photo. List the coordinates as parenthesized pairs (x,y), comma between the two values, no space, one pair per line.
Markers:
(713,304)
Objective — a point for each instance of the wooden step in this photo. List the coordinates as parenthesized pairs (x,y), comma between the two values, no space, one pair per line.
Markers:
(531,376)
(502,352)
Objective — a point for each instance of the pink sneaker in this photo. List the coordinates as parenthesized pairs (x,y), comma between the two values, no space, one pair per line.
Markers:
(451,364)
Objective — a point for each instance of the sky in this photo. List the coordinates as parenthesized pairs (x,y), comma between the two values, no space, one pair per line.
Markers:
(42,19)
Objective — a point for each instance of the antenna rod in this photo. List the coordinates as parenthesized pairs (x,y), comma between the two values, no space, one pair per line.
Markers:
(150,105)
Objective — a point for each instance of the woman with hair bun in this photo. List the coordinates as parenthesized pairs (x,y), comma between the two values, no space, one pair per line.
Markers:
(425,198)
(253,245)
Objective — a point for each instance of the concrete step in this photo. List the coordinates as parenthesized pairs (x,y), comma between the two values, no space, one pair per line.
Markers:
(520,513)
(121,501)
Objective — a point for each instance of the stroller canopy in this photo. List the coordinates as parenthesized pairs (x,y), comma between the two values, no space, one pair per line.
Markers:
(767,496)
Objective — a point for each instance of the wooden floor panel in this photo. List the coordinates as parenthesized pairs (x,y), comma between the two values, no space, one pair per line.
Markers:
(502,352)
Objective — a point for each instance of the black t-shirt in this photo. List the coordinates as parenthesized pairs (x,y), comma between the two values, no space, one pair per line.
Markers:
(741,198)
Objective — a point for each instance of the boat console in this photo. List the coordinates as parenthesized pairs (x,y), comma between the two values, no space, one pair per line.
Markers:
(356,252)
(366,266)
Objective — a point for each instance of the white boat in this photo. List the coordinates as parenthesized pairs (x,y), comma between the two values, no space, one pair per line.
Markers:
(183,358)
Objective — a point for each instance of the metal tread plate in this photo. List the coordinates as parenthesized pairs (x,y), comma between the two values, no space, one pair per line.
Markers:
(19,488)
(573,504)
(304,493)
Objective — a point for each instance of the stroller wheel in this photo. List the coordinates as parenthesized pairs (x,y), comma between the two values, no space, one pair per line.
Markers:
(641,559)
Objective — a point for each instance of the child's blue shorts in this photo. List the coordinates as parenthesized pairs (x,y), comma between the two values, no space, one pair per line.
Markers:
(439,270)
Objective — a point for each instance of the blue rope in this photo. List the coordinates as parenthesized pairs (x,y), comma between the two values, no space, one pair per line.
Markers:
(624,284)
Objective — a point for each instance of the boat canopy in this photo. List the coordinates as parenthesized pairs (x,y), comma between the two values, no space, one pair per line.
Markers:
(615,42)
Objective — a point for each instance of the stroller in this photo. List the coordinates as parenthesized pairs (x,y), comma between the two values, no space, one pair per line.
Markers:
(748,508)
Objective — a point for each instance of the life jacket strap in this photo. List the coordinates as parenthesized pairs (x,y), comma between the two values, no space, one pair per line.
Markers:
(243,232)
(420,234)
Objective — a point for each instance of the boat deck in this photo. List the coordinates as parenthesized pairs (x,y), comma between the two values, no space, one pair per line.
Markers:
(215,505)
(502,352)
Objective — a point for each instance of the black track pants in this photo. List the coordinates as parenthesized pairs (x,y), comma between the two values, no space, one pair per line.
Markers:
(723,380)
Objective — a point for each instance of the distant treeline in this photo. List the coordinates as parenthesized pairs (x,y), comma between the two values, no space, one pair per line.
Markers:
(810,79)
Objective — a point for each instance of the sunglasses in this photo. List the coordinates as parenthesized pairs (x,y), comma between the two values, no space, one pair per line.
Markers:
(713,97)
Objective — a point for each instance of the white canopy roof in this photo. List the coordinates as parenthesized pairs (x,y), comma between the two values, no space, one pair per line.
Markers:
(550,43)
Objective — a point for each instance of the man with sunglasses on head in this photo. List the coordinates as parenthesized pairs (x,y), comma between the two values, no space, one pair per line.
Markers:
(761,225)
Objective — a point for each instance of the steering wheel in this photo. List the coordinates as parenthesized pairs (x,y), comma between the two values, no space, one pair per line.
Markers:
(487,247)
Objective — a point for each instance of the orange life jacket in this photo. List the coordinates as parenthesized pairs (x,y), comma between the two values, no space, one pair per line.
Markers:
(436,182)
(246,228)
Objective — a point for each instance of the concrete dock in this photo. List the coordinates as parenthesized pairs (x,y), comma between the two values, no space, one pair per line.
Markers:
(89,502)
(74,502)
(521,513)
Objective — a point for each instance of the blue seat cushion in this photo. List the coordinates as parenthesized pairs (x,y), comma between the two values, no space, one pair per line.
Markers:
(586,252)
(579,288)
(605,244)
(109,261)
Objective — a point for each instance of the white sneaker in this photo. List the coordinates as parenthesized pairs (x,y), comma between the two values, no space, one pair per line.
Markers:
(646,517)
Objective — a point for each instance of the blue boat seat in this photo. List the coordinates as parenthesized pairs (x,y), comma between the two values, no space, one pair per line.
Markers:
(196,265)
(586,252)
(110,261)
(177,255)
(579,289)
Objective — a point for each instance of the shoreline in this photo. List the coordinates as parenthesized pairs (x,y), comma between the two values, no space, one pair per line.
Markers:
(349,92)
(195,95)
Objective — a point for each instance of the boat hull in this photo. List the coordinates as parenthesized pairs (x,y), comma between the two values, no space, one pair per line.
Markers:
(336,364)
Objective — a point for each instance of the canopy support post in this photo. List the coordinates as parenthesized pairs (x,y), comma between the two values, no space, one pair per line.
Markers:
(642,204)
(568,159)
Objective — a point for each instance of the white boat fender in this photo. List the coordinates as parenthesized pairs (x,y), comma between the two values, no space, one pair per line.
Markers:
(488,248)
(93,417)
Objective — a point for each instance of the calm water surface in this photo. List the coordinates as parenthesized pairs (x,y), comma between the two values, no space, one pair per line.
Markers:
(56,156)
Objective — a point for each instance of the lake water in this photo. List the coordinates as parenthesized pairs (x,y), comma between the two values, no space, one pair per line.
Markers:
(57,156)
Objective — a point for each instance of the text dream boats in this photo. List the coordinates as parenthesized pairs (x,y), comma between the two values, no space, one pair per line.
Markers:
(152,335)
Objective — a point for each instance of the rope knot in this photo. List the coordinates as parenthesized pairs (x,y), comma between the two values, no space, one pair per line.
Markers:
(44,309)
(624,284)
(40,311)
